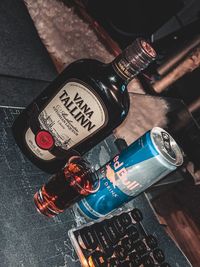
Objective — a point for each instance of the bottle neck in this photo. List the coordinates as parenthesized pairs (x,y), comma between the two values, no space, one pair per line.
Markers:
(121,67)
(134,59)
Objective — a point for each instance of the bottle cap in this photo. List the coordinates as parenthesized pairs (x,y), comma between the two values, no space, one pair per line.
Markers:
(135,58)
(139,55)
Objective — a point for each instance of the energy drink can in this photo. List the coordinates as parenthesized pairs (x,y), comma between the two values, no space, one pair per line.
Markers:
(140,165)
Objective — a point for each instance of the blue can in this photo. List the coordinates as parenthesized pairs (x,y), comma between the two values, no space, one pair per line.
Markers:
(143,163)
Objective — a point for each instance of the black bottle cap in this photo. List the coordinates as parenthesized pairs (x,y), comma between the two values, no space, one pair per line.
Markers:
(140,247)
(151,241)
(120,252)
(136,214)
(128,244)
(135,58)
(125,219)
(97,258)
(139,54)
(87,239)
(159,255)
(165,264)
(133,233)
(148,261)
(135,258)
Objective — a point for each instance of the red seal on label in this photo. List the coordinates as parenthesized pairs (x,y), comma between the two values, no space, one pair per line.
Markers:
(44,140)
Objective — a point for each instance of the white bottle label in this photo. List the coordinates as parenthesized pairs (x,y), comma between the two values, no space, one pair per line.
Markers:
(74,114)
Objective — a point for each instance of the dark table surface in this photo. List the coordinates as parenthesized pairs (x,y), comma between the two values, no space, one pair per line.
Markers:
(29,239)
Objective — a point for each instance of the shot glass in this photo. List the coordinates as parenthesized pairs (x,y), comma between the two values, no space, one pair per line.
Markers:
(75,181)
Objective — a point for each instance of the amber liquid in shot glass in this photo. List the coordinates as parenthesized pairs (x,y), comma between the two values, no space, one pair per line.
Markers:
(75,181)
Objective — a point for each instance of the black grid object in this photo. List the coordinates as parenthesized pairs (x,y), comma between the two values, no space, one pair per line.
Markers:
(130,237)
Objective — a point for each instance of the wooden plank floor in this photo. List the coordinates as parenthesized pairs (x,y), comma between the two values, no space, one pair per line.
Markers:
(179,210)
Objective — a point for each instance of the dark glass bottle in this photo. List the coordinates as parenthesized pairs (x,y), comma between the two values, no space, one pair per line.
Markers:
(79,108)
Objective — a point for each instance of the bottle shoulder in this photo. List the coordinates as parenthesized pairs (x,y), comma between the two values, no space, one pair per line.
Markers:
(85,64)
(96,76)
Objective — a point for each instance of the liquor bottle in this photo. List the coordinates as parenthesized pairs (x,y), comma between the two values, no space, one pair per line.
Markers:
(79,108)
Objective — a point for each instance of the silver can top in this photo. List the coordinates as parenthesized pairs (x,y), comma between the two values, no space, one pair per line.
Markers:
(166,146)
